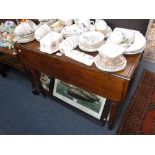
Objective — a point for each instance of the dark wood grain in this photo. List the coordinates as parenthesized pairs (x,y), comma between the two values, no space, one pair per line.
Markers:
(11,61)
(110,85)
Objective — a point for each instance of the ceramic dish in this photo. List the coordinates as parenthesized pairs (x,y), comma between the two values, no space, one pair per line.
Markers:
(71,30)
(25,28)
(42,31)
(86,49)
(139,43)
(123,37)
(135,52)
(110,66)
(106,32)
(92,38)
(111,50)
(25,40)
(88,29)
(25,36)
(133,41)
(68,44)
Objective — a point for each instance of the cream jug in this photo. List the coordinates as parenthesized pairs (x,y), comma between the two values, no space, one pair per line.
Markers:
(100,24)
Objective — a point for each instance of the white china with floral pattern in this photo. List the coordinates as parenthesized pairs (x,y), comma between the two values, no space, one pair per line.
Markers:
(42,31)
(111,50)
(68,44)
(50,43)
(25,28)
(113,65)
(133,41)
(91,41)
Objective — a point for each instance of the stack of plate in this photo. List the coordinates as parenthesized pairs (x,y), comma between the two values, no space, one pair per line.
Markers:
(138,45)
(91,41)
(133,41)
(71,31)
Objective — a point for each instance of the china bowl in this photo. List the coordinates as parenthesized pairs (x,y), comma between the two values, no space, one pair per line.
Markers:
(92,38)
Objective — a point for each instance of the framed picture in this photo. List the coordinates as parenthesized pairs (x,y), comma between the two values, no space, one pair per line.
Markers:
(87,102)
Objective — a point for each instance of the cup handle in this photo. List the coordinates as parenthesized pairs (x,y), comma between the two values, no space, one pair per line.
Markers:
(92,22)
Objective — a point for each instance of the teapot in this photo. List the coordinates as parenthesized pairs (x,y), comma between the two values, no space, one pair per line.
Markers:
(100,24)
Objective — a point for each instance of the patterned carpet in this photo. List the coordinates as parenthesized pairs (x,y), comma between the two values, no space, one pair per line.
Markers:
(139,118)
(149,53)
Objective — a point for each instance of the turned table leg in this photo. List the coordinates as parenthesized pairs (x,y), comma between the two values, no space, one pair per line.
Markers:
(36,77)
(35,91)
(112,116)
(2,71)
(27,71)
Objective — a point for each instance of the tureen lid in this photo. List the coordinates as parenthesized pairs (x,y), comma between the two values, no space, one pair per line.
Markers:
(111,50)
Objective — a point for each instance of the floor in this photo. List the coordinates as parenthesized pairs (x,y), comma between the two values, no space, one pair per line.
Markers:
(21,112)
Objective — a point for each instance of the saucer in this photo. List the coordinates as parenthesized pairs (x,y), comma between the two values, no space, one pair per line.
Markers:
(135,52)
(110,66)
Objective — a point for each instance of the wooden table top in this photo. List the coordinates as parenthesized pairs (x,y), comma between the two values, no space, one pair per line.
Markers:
(127,73)
(11,52)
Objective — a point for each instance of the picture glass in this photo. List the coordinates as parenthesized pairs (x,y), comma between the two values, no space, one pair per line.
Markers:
(79,98)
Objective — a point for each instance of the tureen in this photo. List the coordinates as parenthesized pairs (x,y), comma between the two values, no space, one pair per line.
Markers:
(50,43)
(42,31)
(25,28)
(111,50)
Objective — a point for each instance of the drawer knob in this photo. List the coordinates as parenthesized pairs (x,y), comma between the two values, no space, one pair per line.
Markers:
(19,51)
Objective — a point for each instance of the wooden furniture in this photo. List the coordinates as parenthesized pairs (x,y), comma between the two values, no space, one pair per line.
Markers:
(9,57)
(113,86)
